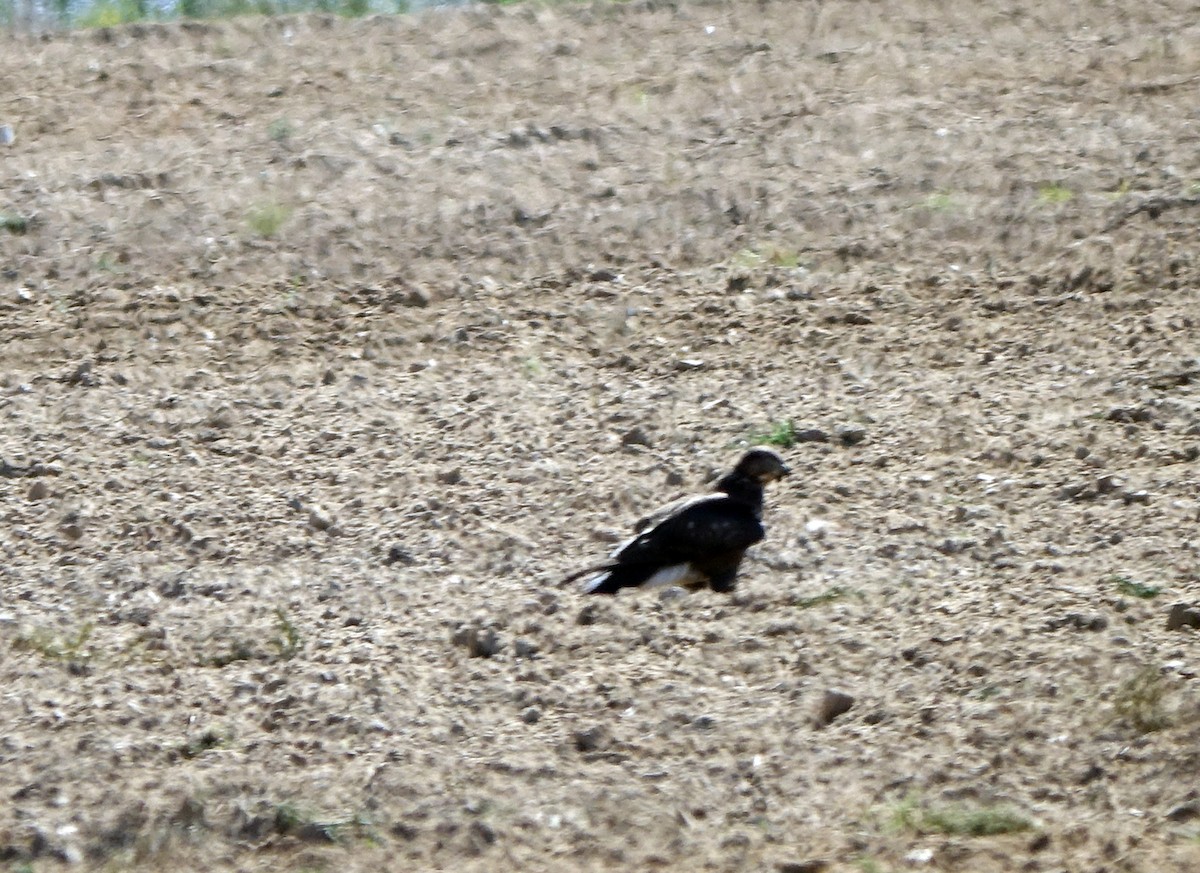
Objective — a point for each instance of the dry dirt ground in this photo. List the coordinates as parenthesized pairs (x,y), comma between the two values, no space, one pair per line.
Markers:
(328,347)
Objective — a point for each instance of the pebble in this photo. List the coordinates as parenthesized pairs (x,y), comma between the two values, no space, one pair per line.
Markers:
(1078,621)
(38,491)
(592,739)
(1182,615)
(850,434)
(480,642)
(811,435)
(832,704)
(814,865)
(636,436)
(319,519)
(399,555)
(531,715)
(523,648)
(1184,812)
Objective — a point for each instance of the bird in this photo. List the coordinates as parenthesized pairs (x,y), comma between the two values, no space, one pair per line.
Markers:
(697,541)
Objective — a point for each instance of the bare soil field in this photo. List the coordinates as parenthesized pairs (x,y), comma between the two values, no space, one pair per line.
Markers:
(328,348)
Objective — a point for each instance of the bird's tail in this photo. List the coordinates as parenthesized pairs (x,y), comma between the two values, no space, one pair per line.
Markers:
(611,578)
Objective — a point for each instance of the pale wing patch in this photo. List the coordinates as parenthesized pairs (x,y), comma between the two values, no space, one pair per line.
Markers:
(675,574)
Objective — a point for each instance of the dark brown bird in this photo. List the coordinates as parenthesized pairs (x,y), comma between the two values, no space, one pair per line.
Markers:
(697,541)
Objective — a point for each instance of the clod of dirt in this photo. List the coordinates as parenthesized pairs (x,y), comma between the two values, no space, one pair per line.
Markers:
(1182,615)
(833,703)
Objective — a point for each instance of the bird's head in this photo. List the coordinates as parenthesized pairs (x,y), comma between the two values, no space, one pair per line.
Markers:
(762,465)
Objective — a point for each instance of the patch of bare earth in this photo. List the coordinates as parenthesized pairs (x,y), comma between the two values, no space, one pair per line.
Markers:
(328,347)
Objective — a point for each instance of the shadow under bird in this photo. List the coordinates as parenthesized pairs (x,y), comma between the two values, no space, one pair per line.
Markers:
(695,542)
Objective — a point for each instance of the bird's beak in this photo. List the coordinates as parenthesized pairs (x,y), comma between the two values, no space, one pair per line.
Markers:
(778,473)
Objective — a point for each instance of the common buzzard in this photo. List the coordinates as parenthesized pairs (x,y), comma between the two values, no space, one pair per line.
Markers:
(697,541)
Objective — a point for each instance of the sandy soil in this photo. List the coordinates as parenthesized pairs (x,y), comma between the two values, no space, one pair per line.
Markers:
(328,347)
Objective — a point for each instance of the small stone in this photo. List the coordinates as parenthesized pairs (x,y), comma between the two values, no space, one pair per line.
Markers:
(810,435)
(531,715)
(403,831)
(482,833)
(833,703)
(450,477)
(1078,621)
(480,642)
(399,555)
(1131,497)
(525,648)
(81,375)
(850,434)
(1184,812)
(1039,843)
(1091,774)
(1108,484)
(1182,615)
(589,615)
(417,297)
(38,491)
(319,519)
(919,856)
(814,865)
(635,436)
(592,739)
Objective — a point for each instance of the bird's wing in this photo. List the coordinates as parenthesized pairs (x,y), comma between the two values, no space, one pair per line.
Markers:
(666,510)
(696,530)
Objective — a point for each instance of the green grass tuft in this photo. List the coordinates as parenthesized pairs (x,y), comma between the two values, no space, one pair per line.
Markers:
(1054,194)
(287,641)
(1141,701)
(967,820)
(835,593)
(70,648)
(267,219)
(14,224)
(1131,588)
(280,130)
(780,433)
(941,202)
